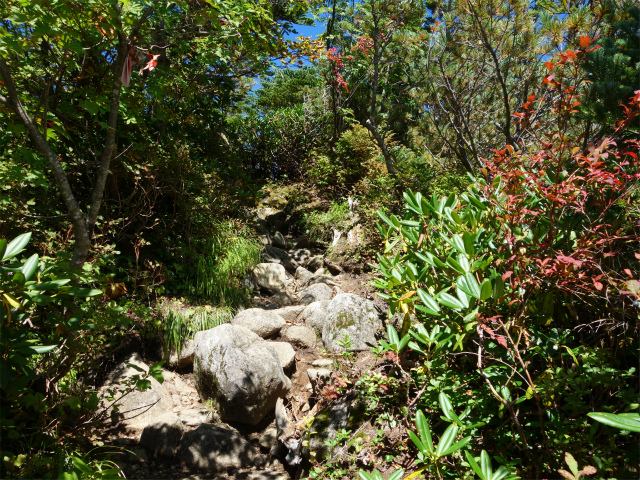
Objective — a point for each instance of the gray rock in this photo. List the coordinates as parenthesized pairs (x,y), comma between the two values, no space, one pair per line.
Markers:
(322,363)
(322,278)
(290,264)
(326,425)
(301,242)
(161,437)
(300,255)
(278,240)
(315,293)
(187,352)
(291,313)
(319,377)
(269,438)
(239,372)
(263,475)
(193,418)
(277,220)
(314,315)
(264,323)
(351,315)
(285,352)
(274,254)
(303,275)
(136,409)
(282,299)
(214,448)
(315,263)
(299,335)
(271,277)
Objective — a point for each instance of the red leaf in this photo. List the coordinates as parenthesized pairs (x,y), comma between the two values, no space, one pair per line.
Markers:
(502,341)
(585,42)
(598,285)
(628,272)
(550,66)
(506,275)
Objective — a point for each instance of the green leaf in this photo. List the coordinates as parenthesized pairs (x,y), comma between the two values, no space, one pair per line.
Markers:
(447,409)
(396,475)
(30,266)
(386,219)
(629,421)
(80,465)
(469,285)
(468,238)
(424,431)
(456,446)
(36,349)
(447,439)
(476,201)
(84,292)
(417,442)
(455,265)
(485,464)
(3,247)
(463,261)
(475,466)
(486,290)
(450,301)
(16,246)
(429,302)
(52,285)
(143,385)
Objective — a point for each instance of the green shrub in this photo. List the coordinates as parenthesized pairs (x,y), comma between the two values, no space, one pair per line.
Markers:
(179,322)
(228,256)
(319,224)
(53,328)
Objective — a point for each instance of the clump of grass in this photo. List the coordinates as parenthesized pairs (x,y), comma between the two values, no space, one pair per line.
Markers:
(220,273)
(181,322)
(319,225)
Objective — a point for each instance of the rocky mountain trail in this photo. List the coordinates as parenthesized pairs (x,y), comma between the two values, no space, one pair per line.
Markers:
(247,393)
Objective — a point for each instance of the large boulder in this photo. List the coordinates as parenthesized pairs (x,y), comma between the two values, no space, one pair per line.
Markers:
(161,437)
(271,277)
(240,372)
(314,315)
(264,323)
(315,293)
(215,449)
(351,315)
(135,409)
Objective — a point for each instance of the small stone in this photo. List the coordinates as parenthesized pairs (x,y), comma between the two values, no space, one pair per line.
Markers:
(269,438)
(315,263)
(322,362)
(282,299)
(303,275)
